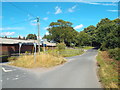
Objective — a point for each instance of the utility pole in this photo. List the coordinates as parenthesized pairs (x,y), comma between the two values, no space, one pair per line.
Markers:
(38,23)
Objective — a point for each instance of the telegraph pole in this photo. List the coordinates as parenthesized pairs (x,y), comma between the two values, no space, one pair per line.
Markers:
(38,23)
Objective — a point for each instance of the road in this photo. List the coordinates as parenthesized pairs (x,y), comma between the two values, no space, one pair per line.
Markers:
(78,72)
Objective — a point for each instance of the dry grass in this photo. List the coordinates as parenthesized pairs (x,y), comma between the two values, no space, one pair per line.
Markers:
(108,71)
(42,60)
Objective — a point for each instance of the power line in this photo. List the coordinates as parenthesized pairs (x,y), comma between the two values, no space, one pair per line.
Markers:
(20,22)
(20,8)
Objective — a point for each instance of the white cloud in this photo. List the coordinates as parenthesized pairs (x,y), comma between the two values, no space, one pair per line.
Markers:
(33,22)
(58,10)
(113,10)
(7,33)
(46,28)
(46,18)
(20,36)
(47,33)
(12,28)
(39,37)
(72,8)
(78,26)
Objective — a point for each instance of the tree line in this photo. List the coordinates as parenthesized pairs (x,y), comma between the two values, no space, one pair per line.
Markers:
(104,35)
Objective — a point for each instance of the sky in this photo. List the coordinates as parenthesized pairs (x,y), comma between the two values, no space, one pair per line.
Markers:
(19,18)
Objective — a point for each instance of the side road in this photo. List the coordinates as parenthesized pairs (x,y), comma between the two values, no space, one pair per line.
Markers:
(79,72)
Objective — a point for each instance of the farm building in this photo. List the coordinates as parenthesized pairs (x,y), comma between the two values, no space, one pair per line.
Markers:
(9,46)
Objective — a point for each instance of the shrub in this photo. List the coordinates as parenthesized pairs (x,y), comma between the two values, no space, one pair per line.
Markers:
(103,47)
(61,46)
(12,58)
(72,45)
(41,49)
(114,53)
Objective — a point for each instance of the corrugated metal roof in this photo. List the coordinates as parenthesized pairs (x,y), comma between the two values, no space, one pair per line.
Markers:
(16,41)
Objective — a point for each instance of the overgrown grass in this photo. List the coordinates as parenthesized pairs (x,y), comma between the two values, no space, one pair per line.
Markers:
(43,60)
(87,47)
(108,70)
(66,52)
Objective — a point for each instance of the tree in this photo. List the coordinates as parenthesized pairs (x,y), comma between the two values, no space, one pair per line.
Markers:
(105,34)
(5,36)
(31,36)
(19,37)
(61,32)
(83,39)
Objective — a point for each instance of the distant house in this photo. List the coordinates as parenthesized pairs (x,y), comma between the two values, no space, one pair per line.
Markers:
(9,46)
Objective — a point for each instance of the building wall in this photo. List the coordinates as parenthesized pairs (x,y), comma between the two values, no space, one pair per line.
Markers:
(8,49)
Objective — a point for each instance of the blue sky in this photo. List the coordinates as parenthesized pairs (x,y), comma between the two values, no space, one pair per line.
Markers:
(18,18)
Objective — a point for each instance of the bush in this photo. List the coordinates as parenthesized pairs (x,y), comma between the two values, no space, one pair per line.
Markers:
(103,47)
(41,49)
(61,46)
(114,53)
(12,58)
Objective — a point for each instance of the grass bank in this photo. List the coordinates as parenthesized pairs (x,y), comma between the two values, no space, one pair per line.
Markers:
(84,47)
(66,52)
(87,47)
(108,70)
(43,60)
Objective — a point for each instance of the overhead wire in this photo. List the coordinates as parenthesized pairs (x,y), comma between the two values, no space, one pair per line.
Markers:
(19,22)
(25,11)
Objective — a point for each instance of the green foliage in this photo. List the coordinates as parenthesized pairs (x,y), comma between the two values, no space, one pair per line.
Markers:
(83,39)
(12,58)
(61,31)
(61,46)
(71,52)
(41,49)
(105,35)
(31,36)
(114,53)
(66,52)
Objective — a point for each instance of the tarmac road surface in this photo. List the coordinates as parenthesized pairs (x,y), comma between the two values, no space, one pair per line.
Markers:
(78,72)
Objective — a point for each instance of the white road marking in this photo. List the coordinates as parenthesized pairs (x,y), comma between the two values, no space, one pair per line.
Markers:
(1,80)
(15,78)
(6,70)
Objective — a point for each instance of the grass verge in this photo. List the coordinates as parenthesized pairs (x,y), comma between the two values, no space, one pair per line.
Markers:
(87,47)
(43,60)
(48,59)
(66,52)
(108,70)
